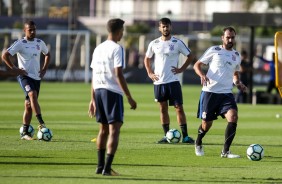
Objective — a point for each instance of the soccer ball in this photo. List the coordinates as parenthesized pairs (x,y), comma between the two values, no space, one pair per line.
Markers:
(173,136)
(30,131)
(44,134)
(255,152)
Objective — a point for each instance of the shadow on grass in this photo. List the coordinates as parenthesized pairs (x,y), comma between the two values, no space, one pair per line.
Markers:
(128,178)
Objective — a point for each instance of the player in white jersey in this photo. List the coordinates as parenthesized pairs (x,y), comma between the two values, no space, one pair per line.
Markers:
(217,98)
(167,87)
(28,50)
(108,86)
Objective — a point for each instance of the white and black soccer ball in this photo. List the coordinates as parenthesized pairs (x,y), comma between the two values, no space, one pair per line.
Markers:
(30,131)
(44,134)
(173,136)
(255,152)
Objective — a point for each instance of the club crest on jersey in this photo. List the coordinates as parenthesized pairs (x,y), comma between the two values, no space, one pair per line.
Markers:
(171,47)
(37,47)
(233,58)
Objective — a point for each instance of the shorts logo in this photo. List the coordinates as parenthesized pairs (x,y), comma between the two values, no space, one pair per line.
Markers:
(204,115)
(27,87)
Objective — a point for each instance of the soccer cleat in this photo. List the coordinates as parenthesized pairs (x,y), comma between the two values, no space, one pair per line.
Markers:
(199,150)
(99,170)
(41,126)
(163,141)
(188,140)
(27,137)
(228,154)
(110,173)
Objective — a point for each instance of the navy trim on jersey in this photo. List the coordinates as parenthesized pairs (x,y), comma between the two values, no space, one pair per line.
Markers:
(183,44)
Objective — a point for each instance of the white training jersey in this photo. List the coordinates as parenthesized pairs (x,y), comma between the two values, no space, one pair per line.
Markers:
(106,57)
(28,54)
(166,56)
(222,66)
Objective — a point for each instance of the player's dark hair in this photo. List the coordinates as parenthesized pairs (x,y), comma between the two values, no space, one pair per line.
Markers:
(165,21)
(229,28)
(244,53)
(30,23)
(114,25)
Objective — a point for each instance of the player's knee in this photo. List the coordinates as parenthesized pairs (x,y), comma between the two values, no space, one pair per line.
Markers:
(27,104)
(32,94)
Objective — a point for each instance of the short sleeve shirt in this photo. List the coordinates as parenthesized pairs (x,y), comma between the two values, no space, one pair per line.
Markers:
(106,57)
(28,55)
(222,66)
(166,56)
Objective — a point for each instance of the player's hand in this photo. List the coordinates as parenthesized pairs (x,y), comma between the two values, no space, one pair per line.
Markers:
(242,87)
(18,71)
(175,70)
(204,80)
(132,103)
(154,77)
(92,109)
(42,73)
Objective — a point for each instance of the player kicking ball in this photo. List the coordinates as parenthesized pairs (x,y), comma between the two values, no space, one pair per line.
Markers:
(216,97)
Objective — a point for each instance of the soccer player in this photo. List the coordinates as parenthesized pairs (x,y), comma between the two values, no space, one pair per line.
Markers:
(271,82)
(167,88)
(108,86)
(216,97)
(28,50)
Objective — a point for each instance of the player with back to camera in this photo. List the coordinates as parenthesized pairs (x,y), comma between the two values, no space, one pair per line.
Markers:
(108,86)
(216,96)
(28,50)
(167,88)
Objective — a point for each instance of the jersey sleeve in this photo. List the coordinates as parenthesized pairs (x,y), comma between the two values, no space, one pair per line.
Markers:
(15,47)
(207,56)
(183,48)
(44,48)
(119,57)
(150,51)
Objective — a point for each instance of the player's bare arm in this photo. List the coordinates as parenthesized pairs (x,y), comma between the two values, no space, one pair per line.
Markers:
(238,83)
(198,69)
(42,72)
(92,106)
(6,58)
(151,74)
(122,83)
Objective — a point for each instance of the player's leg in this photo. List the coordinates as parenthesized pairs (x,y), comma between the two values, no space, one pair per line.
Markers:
(101,144)
(112,145)
(160,92)
(202,130)
(230,132)
(27,115)
(207,112)
(181,119)
(164,117)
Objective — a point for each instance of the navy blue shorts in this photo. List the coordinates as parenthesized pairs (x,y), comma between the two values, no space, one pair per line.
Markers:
(212,105)
(109,106)
(28,84)
(169,92)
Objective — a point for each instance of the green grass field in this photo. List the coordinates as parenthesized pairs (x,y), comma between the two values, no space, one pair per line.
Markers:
(71,158)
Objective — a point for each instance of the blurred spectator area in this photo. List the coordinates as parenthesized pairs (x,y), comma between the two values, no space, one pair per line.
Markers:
(58,12)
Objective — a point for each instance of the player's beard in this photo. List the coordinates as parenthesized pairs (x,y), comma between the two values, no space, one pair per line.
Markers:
(229,45)
(166,33)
